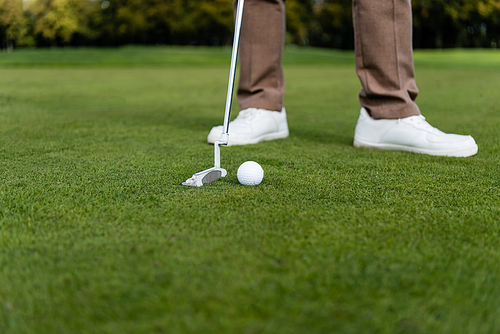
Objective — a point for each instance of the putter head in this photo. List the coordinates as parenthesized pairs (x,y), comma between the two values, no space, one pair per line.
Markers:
(204,177)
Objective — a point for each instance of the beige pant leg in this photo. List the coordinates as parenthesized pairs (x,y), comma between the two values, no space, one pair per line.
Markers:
(384,57)
(262,83)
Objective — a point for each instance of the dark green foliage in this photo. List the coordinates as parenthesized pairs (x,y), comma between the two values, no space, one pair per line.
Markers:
(332,25)
(325,23)
(449,23)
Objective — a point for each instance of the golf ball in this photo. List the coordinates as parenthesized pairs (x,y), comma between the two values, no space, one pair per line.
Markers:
(250,173)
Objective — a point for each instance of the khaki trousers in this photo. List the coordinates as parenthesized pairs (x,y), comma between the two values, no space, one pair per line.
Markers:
(384,56)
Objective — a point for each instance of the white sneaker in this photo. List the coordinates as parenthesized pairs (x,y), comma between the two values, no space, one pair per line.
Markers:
(411,134)
(253,126)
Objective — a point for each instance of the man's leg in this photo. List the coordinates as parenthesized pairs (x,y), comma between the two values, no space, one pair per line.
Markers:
(262,83)
(390,118)
(384,57)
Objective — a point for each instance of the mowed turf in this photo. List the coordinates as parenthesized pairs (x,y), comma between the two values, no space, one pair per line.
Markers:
(97,235)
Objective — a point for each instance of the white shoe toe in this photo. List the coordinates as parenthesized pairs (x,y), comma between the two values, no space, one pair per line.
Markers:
(411,134)
(253,126)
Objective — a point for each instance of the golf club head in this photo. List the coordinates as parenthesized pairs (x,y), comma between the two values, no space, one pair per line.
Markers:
(204,177)
(215,173)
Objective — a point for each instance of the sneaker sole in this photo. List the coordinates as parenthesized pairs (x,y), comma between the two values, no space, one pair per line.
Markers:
(463,152)
(266,137)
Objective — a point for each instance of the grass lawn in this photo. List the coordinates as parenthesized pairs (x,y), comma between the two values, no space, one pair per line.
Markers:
(98,236)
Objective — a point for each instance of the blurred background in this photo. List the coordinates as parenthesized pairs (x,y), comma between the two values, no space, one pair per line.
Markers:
(319,23)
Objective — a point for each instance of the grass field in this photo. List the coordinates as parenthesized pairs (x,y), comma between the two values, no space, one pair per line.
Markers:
(98,236)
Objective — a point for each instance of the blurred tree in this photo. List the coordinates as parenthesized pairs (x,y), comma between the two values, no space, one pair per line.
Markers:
(299,20)
(166,22)
(325,23)
(208,22)
(12,25)
(60,20)
(451,23)
(333,24)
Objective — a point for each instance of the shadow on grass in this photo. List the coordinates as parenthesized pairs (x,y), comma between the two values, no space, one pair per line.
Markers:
(340,138)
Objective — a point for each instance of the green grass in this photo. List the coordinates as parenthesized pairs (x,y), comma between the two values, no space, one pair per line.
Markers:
(98,236)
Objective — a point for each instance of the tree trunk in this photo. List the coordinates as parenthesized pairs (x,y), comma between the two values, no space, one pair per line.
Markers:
(10,45)
(438,44)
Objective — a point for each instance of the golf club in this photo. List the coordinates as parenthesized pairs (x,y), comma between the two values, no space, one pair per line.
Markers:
(215,173)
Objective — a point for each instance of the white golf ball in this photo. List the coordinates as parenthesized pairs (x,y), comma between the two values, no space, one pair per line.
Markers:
(250,173)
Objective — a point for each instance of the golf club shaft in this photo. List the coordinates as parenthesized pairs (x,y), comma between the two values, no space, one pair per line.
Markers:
(232,71)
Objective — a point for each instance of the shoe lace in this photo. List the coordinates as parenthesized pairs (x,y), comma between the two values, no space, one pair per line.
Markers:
(246,116)
(420,122)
